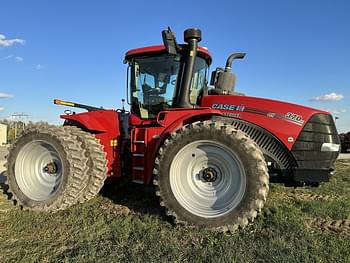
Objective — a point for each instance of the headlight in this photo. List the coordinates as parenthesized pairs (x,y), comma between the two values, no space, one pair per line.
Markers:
(330,147)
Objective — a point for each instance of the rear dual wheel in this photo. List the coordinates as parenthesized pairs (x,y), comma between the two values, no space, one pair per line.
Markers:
(211,175)
(51,168)
(96,165)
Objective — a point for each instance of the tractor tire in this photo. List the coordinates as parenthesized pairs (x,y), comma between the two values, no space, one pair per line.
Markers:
(97,162)
(46,169)
(210,175)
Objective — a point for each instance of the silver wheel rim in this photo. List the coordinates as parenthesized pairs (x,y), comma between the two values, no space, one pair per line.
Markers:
(213,197)
(39,170)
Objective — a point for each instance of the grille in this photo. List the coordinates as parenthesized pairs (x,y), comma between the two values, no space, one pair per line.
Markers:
(307,148)
(268,143)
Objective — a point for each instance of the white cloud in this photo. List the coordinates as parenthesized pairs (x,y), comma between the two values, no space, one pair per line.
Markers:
(336,111)
(39,67)
(5,95)
(2,108)
(7,57)
(19,59)
(329,97)
(5,42)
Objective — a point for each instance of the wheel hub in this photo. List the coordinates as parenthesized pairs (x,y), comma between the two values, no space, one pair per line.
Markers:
(39,170)
(207,178)
(51,168)
(209,175)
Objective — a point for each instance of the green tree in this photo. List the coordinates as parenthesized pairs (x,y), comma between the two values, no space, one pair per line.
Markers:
(11,134)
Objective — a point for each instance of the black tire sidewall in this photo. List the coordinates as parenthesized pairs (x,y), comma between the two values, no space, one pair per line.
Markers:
(247,159)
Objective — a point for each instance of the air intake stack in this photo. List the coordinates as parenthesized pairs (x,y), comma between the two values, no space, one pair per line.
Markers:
(192,36)
(224,80)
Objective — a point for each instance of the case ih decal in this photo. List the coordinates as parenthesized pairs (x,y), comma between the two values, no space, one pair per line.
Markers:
(290,117)
(231,107)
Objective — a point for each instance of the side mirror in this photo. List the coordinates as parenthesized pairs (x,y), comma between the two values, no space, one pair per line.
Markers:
(169,41)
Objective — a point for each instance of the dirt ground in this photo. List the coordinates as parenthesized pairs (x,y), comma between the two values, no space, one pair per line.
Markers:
(344,156)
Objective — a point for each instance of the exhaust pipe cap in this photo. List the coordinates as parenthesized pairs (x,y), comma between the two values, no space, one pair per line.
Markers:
(192,33)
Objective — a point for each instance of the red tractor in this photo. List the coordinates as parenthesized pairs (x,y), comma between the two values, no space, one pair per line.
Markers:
(210,152)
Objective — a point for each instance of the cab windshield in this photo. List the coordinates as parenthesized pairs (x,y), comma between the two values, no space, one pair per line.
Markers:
(154,81)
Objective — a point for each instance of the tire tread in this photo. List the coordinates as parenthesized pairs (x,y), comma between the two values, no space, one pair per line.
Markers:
(262,177)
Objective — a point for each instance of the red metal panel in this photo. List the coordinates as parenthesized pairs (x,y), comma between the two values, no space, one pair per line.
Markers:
(284,120)
(159,48)
(105,125)
(142,50)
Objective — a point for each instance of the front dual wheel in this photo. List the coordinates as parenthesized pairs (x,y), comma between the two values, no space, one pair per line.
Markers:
(211,175)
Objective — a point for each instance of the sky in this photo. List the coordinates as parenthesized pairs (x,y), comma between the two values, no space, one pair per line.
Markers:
(297,51)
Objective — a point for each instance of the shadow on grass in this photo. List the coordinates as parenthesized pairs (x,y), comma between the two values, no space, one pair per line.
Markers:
(3,178)
(140,199)
(4,187)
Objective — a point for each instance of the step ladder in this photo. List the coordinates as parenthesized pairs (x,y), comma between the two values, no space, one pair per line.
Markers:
(138,151)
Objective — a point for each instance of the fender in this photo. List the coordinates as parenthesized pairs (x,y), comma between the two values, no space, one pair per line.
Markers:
(272,148)
(172,119)
(96,121)
(105,125)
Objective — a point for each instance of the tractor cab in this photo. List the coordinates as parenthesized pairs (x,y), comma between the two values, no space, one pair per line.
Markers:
(174,76)
(155,81)
(159,79)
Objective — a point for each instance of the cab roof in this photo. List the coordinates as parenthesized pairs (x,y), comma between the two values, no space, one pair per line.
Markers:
(144,51)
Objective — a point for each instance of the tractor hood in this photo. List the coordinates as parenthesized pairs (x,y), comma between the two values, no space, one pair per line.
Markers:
(284,120)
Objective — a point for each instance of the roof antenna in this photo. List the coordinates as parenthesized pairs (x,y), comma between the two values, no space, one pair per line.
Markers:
(169,41)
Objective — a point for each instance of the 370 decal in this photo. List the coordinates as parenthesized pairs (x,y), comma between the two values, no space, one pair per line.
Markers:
(294,117)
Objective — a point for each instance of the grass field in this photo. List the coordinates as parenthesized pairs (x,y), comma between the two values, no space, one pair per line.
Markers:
(126,225)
